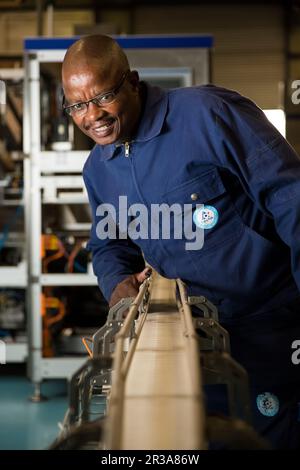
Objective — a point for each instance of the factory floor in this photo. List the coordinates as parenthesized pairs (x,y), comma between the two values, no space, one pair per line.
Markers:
(25,425)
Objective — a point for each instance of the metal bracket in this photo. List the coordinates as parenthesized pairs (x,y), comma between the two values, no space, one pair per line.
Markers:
(209,310)
(212,336)
(104,337)
(81,385)
(220,368)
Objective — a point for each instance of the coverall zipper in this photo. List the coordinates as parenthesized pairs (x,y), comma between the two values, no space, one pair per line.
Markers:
(127,149)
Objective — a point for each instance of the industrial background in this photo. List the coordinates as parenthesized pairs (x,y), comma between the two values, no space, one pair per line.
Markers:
(49,299)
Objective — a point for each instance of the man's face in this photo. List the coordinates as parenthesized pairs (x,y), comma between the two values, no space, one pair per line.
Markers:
(114,122)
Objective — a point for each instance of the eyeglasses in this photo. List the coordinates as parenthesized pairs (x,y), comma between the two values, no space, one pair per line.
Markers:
(102,100)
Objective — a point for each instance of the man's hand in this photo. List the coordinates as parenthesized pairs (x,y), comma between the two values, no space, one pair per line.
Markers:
(129,287)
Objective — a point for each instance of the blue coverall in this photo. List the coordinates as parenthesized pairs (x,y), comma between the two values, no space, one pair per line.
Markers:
(218,147)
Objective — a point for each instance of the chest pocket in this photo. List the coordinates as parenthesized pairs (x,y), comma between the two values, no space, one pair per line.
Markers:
(208,189)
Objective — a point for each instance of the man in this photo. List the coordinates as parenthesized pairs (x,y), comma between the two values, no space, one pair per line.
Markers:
(212,147)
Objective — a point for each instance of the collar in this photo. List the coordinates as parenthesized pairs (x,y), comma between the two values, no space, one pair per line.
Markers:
(151,121)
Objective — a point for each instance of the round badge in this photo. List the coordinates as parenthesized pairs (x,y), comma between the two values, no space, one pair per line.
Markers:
(206,217)
(268,404)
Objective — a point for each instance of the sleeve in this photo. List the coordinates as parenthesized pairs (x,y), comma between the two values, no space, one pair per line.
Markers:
(267,166)
(113,259)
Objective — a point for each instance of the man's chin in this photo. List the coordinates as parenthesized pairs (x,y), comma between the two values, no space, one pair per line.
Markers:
(110,139)
(104,141)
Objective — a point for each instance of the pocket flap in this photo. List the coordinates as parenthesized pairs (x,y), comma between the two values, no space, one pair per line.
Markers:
(197,190)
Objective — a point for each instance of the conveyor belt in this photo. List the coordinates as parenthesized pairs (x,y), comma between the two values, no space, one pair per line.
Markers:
(161,406)
(161,389)
(146,366)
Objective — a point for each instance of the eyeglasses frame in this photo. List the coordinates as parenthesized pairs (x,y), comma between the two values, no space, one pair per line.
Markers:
(115,91)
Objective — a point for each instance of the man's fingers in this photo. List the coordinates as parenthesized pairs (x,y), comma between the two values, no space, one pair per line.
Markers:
(143,275)
(129,287)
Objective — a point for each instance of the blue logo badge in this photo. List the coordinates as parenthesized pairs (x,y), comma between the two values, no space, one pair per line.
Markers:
(206,217)
(268,404)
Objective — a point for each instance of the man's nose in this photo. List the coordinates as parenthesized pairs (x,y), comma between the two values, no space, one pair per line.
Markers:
(94,112)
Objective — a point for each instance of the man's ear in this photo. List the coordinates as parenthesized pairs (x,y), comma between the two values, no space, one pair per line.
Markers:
(134,78)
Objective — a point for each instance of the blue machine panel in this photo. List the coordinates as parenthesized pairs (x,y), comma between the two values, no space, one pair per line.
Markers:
(126,42)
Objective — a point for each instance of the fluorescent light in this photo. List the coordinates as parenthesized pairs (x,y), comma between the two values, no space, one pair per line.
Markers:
(277,118)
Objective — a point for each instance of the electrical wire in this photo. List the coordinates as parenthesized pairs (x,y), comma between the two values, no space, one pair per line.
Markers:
(84,340)
(62,252)
(59,254)
(72,257)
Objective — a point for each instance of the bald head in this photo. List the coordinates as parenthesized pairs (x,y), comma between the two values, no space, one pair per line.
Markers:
(97,80)
(99,50)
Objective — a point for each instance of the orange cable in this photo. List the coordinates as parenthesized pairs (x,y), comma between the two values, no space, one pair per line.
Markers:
(60,253)
(84,340)
(72,256)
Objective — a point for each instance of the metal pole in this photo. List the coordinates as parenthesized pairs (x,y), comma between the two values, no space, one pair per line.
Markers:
(34,228)
(39,17)
(50,11)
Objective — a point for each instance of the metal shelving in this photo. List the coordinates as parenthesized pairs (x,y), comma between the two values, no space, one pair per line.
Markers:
(14,276)
(16,352)
(68,280)
(49,172)
(13,269)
